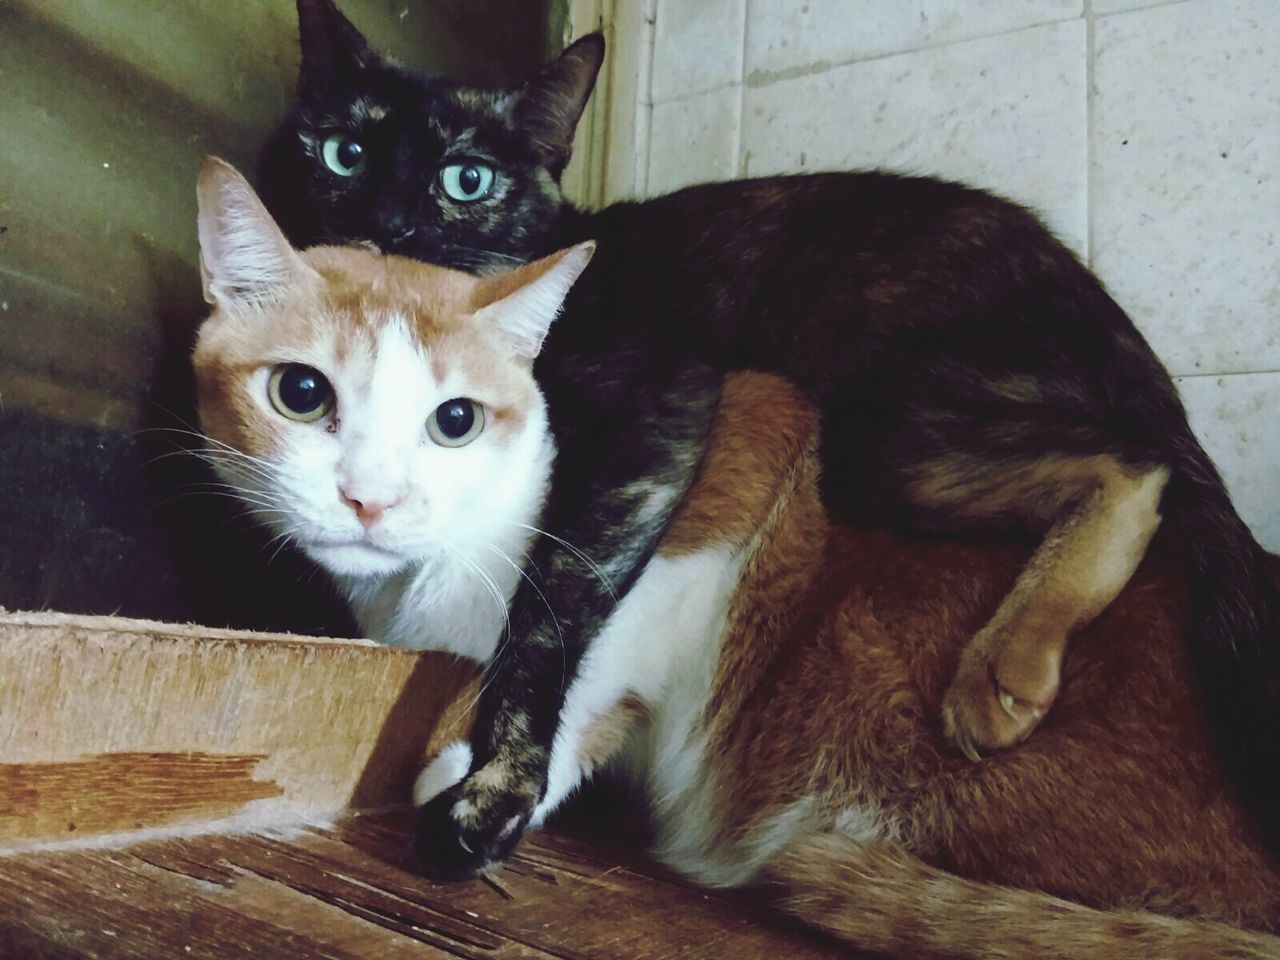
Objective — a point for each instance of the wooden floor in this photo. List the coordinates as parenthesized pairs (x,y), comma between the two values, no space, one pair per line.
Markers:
(345,894)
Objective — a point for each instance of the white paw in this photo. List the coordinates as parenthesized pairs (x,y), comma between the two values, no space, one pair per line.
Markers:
(450,765)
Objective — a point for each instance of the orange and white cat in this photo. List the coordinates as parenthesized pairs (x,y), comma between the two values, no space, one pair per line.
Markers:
(773,682)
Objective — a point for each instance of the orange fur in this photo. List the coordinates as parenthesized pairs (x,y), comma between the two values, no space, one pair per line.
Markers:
(608,733)
(825,710)
(358,292)
(840,646)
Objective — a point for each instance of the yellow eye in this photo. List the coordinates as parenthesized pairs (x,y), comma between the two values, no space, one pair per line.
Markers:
(299,392)
(455,423)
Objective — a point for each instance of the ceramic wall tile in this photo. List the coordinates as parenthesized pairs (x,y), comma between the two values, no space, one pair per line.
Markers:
(1237,418)
(1005,112)
(1185,179)
(698,46)
(785,37)
(693,140)
(1101,7)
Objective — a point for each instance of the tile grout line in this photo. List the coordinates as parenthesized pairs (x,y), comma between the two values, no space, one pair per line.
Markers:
(1089,111)
(1145,6)
(774,77)
(1224,373)
(740,163)
(688,95)
(826,66)
(644,94)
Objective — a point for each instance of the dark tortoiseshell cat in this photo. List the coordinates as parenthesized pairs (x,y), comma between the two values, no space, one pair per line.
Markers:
(973,376)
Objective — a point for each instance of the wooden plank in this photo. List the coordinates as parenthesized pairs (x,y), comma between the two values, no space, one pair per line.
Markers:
(114,791)
(601,900)
(626,108)
(109,725)
(99,904)
(348,892)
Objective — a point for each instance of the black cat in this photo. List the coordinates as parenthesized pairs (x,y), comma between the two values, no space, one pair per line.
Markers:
(973,376)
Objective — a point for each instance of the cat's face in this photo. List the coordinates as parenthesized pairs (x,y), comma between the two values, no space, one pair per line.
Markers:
(418,166)
(376,410)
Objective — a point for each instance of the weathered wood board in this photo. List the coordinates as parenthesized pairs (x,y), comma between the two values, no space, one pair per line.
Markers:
(109,725)
(173,791)
(345,893)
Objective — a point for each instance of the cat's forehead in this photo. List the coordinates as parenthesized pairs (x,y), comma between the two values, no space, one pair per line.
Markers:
(368,300)
(442,108)
(363,287)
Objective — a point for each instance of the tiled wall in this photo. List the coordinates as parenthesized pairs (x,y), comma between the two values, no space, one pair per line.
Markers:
(1147,134)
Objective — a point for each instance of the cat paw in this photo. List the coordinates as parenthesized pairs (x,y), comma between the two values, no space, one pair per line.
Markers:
(994,703)
(470,825)
(448,768)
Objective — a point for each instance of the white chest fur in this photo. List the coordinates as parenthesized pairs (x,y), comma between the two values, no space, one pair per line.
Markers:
(457,604)
(662,645)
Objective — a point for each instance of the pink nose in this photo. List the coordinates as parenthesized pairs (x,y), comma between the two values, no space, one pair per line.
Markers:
(368,511)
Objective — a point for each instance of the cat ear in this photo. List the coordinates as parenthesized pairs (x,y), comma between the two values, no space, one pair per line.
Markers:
(244,258)
(331,47)
(522,303)
(551,104)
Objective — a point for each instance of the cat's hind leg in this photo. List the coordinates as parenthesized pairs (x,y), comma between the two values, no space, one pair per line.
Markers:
(1101,514)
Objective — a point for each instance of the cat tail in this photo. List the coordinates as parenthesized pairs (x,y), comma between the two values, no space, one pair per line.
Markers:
(875,896)
(1236,597)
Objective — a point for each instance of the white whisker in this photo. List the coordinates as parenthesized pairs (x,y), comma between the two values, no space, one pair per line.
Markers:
(489,583)
(564,656)
(496,593)
(595,567)
(282,540)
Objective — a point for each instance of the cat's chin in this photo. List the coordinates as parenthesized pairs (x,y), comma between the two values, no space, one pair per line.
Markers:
(356,559)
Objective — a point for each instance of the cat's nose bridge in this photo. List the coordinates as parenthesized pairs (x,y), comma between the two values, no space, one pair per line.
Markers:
(391,219)
(371,481)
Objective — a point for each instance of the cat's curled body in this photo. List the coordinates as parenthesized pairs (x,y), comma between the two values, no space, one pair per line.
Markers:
(972,376)
(780,733)
(780,724)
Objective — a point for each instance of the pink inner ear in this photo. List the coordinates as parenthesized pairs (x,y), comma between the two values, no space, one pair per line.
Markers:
(531,297)
(205,280)
(497,287)
(244,255)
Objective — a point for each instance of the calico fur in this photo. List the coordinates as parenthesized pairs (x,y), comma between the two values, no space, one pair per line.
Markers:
(770,680)
(780,732)
(973,377)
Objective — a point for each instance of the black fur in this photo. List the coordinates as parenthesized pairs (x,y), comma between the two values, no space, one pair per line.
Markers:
(929,319)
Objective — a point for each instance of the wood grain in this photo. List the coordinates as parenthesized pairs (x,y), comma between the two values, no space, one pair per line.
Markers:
(122,791)
(110,725)
(347,892)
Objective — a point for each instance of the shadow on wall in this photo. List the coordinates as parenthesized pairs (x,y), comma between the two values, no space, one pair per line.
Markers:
(109,109)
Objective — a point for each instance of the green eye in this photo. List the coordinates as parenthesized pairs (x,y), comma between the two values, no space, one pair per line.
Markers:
(467,181)
(343,155)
